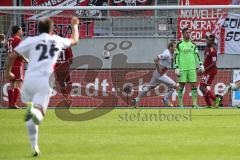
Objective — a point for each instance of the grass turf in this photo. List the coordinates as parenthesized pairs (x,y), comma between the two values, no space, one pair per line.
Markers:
(127,134)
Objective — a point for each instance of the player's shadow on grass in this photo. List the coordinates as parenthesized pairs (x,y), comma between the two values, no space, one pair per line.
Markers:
(65,114)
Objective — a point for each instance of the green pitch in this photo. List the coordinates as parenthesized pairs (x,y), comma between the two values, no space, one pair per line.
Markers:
(129,134)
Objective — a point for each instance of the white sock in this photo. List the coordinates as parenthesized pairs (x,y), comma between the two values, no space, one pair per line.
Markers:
(32,132)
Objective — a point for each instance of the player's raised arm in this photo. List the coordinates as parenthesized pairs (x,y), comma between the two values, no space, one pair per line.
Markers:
(75,34)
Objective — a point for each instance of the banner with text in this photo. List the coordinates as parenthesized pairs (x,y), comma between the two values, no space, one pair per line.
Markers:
(62,18)
(131,3)
(201,22)
(105,88)
(231,37)
(236,94)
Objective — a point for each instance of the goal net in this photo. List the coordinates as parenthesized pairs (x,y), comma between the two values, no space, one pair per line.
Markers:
(134,38)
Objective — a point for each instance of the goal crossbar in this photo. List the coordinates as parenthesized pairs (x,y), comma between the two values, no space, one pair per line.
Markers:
(162,7)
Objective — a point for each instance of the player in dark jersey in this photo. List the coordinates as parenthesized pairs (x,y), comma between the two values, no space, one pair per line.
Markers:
(17,69)
(210,71)
(62,74)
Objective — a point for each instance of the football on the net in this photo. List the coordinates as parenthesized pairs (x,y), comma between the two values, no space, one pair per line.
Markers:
(106,54)
(128,90)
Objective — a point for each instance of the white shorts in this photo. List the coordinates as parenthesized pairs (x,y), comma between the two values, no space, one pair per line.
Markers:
(36,89)
(157,80)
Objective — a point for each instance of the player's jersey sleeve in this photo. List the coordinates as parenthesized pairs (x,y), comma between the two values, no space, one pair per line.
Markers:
(12,43)
(164,55)
(65,42)
(165,59)
(214,55)
(197,57)
(176,57)
(9,45)
(16,42)
(24,47)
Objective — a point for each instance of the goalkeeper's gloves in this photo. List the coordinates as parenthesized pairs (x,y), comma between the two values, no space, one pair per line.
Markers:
(177,72)
(201,68)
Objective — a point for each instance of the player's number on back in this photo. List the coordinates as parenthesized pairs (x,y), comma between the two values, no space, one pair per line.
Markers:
(44,49)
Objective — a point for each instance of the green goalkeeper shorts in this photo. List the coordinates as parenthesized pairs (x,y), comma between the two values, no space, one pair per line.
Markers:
(188,76)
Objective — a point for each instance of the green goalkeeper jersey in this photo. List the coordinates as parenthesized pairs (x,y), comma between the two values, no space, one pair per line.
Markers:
(186,57)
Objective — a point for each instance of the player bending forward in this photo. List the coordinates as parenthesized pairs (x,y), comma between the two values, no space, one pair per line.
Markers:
(43,51)
(163,62)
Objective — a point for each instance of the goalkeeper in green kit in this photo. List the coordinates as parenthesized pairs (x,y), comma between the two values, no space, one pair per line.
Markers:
(186,62)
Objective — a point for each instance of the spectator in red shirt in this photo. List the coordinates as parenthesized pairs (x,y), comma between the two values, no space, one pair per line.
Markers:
(17,69)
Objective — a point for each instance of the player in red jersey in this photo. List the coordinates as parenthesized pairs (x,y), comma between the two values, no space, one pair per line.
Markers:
(62,74)
(210,71)
(17,69)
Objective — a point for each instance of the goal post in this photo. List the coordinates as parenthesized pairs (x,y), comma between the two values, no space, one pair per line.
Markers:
(162,7)
(134,35)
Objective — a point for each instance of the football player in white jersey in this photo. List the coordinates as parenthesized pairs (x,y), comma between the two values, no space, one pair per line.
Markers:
(232,86)
(43,51)
(162,62)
